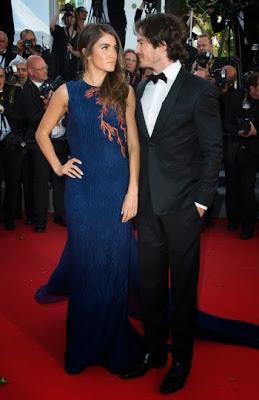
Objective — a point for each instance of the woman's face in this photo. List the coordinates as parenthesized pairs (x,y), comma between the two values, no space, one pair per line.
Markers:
(131,61)
(104,54)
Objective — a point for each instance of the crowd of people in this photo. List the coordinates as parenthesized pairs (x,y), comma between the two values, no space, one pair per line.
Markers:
(26,94)
(127,134)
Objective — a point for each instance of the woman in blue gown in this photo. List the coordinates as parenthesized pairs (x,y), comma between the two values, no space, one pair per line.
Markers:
(100,199)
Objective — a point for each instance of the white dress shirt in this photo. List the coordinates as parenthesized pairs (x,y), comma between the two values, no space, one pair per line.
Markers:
(2,59)
(154,96)
(4,125)
(58,130)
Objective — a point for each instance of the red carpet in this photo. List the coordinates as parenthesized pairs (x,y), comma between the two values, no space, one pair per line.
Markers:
(32,336)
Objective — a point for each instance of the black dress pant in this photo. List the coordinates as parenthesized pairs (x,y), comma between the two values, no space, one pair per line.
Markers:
(169,242)
(10,173)
(37,174)
(240,177)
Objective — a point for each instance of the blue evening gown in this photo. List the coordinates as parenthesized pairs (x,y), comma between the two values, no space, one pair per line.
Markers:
(99,247)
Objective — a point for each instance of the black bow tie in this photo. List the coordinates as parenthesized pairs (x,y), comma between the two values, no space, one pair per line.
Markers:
(154,78)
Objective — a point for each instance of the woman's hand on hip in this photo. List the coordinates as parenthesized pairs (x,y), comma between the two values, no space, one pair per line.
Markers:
(70,169)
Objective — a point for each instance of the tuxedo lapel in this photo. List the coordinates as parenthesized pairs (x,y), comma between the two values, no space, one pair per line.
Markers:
(169,102)
(139,111)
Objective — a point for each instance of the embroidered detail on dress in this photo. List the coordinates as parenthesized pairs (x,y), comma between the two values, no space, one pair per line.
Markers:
(110,131)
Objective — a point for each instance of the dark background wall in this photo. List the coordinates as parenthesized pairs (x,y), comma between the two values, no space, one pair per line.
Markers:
(6,20)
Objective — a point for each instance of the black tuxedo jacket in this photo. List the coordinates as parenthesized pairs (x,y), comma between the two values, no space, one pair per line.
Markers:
(181,161)
(9,56)
(30,109)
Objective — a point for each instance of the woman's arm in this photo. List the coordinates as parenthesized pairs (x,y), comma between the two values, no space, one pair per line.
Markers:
(55,110)
(54,21)
(130,204)
(72,51)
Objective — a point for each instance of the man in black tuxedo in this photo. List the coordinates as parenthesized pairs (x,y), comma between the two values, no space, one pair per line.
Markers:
(6,55)
(181,152)
(36,169)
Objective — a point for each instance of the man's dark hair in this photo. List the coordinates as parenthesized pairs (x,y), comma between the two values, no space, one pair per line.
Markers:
(27,31)
(252,80)
(165,28)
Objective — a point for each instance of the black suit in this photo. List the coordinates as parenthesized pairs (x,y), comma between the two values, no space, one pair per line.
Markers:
(179,166)
(240,160)
(8,57)
(36,170)
(10,154)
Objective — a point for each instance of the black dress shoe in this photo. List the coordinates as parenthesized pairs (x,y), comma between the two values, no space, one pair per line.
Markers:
(144,365)
(9,226)
(247,234)
(175,378)
(60,220)
(39,228)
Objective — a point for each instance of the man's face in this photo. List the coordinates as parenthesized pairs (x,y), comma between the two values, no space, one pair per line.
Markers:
(29,36)
(2,78)
(149,57)
(204,45)
(131,61)
(38,70)
(254,91)
(3,42)
(22,73)
(82,15)
(70,20)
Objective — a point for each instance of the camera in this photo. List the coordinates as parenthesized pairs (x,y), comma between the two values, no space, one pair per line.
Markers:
(44,91)
(27,44)
(203,59)
(244,122)
(68,10)
(14,142)
(220,77)
(10,76)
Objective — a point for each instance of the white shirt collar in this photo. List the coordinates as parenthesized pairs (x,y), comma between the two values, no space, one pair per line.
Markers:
(38,84)
(172,70)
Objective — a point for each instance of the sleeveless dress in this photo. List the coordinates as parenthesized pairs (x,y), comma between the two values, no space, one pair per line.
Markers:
(100,247)
(100,259)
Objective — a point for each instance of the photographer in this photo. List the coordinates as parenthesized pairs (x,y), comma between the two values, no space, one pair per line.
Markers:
(132,67)
(5,54)
(64,48)
(27,45)
(240,118)
(33,102)
(11,145)
(22,71)
(204,60)
(243,20)
(81,15)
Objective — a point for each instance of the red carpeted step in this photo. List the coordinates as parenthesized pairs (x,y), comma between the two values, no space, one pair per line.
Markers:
(32,336)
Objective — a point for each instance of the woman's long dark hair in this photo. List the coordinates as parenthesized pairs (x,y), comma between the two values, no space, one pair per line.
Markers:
(114,89)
